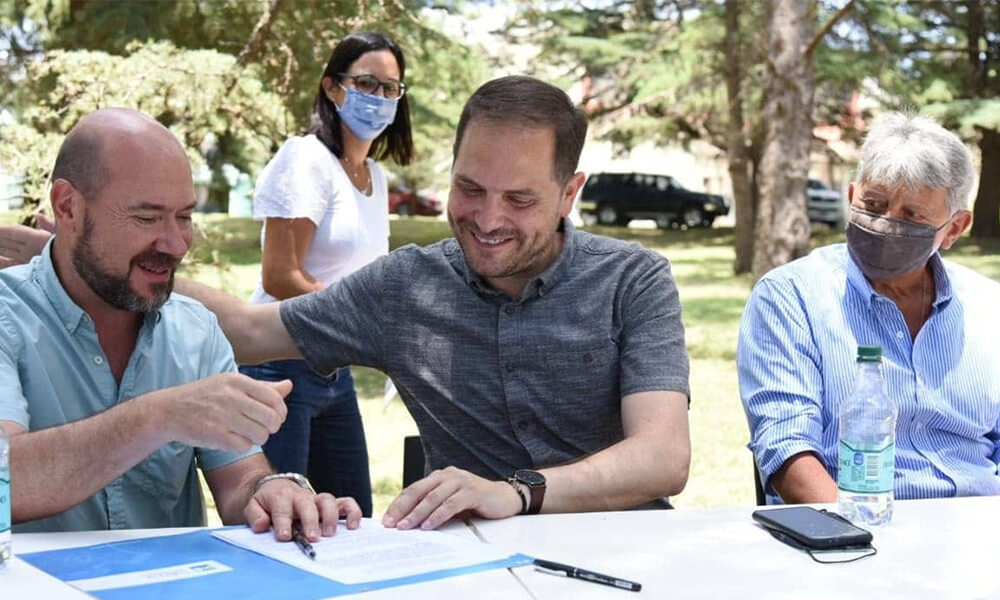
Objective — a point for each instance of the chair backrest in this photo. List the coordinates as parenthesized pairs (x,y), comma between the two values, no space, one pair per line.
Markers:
(413,460)
(761,498)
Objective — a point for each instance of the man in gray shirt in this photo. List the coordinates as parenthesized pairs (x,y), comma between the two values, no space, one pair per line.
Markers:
(545,367)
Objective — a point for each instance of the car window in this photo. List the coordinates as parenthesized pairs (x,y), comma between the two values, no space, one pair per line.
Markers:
(662,183)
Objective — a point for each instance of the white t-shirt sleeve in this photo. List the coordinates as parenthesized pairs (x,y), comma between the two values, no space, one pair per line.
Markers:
(296,183)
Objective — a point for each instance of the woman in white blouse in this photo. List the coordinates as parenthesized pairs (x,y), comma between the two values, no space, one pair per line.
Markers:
(325,205)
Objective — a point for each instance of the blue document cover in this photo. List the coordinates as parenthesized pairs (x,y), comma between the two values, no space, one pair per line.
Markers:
(216,569)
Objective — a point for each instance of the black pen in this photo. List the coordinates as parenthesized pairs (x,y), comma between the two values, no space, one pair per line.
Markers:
(302,542)
(570,571)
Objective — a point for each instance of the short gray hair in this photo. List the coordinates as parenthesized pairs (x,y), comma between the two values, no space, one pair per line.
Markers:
(916,152)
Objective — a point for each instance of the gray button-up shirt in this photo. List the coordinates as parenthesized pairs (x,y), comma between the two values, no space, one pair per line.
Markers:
(494,383)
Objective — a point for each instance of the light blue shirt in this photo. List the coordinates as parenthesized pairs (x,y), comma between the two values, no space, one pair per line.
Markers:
(796,357)
(53,371)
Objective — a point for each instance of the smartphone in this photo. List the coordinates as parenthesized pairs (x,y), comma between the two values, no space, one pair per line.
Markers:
(812,528)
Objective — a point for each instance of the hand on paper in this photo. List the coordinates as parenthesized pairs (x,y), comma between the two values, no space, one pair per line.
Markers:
(19,244)
(226,412)
(432,501)
(280,501)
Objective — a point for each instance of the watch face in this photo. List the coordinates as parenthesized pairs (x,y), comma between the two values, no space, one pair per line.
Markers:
(529,477)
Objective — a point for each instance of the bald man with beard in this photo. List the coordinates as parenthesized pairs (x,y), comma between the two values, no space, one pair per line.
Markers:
(115,390)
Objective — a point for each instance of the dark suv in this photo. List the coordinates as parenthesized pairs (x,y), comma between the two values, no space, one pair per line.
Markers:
(617,198)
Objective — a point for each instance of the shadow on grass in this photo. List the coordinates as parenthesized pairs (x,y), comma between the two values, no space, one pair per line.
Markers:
(234,240)
(673,238)
(718,311)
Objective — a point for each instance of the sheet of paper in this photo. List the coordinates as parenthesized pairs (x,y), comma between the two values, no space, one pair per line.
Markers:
(371,552)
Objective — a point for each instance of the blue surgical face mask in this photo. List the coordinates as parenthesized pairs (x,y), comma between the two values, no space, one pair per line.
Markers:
(366,115)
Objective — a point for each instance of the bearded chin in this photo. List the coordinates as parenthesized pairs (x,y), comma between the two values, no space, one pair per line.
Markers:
(115,290)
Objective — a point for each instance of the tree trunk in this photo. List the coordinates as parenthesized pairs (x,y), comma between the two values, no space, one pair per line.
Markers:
(738,153)
(782,225)
(986,212)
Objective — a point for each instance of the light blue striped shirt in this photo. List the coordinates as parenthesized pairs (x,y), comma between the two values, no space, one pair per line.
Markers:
(796,357)
(53,371)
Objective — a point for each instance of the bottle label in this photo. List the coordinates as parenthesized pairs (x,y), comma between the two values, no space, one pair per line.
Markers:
(865,469)
(4,499)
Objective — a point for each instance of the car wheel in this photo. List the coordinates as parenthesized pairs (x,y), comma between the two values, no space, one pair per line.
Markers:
(403,209)
(663,223)
(692,217)
(607,215)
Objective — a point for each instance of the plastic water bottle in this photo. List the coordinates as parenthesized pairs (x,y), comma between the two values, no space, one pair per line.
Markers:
(4,499)
(867,445)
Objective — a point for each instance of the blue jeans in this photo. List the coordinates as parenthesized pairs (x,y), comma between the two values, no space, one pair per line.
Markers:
(323,436)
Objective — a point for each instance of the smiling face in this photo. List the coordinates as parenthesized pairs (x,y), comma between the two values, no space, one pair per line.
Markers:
(119,245)
(504,206)
(136,232)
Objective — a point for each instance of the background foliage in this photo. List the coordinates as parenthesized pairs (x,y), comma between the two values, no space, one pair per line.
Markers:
(233,78)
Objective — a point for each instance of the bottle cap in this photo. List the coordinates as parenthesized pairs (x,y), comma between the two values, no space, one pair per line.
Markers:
(869,354)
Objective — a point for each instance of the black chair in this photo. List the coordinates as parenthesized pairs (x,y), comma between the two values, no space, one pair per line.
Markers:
(761,498)
(414,464)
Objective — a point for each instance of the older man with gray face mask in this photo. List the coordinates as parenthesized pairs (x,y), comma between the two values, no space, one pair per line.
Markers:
(887,286)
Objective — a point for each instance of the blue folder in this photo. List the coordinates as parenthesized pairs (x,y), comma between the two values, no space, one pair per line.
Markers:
(252,576)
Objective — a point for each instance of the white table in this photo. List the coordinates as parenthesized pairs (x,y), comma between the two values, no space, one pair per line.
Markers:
(21,580)
(931,549)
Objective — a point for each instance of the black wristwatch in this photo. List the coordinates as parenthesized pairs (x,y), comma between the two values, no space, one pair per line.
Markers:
(536,486)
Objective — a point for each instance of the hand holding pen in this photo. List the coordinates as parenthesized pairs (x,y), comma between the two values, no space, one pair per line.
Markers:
(302,542)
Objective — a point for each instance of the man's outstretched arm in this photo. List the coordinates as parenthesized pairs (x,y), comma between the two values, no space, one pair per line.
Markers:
(19,243)
(255,331)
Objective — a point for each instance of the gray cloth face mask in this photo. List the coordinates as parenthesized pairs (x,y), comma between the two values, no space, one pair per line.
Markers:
(884,248)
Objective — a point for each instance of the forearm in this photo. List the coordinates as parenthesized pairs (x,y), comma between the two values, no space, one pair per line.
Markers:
(255,331)
(804,480)
(233,485)
(651,462)
(60,467)
(229,310)
(290,284)
(631,472)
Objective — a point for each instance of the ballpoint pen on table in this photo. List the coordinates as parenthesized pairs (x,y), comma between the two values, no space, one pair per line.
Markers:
(302,542)
(571,571)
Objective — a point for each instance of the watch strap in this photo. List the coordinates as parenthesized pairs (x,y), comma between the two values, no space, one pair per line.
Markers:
(537,495)
(536,484)
(520,494)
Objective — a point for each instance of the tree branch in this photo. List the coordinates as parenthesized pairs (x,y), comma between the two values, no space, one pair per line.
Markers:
(828,26)
(260,33)
(257,38)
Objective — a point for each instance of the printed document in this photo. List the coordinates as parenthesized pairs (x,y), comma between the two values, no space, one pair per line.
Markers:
(371,552)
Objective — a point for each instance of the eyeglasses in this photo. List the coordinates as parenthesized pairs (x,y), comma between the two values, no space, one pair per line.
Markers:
(369,84)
